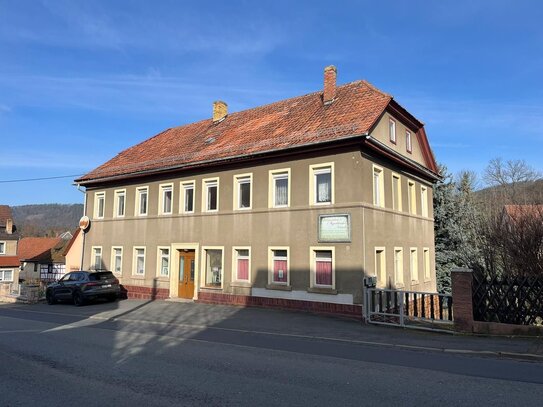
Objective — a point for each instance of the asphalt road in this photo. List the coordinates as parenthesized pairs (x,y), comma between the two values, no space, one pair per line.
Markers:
(59,355)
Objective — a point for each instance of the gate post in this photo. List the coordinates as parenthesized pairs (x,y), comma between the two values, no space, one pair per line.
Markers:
(462,293)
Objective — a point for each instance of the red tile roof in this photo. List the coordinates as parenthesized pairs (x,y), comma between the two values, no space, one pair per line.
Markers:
(9,261)
(5,213)
(295,122)
(36,248)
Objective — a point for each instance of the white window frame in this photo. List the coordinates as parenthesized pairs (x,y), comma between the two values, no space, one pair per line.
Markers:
(3,247)
(408,142)
(113,256)
(159,257)
(424,201)
(314,170)
(99,196)
(271,258)
(426,263)
(392,133)
(163,188)
(313,266)
(183,187)
(3,275)
(412,196)
(382,273)
(135,260)
(272,177)
(117,194)
(204,267)
(207,183)
(380,199)
(398,267)
(414,265)
(239,179)
(137,206)
(396,195)
(235,258)
(94,255)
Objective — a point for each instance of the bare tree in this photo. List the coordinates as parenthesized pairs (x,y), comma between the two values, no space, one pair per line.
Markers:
(508,176)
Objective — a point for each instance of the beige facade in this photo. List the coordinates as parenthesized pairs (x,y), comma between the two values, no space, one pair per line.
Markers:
(399,218)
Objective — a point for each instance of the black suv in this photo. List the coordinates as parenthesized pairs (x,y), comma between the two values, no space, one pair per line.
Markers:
(81,286)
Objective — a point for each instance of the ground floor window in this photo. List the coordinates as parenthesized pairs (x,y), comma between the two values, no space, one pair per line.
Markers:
(380,266)
(279,266)
(213,268)
(164,262)
(323,267)
(117,259)
(97,258)
(6,275)
(139,261)
(398,266)
(241,264)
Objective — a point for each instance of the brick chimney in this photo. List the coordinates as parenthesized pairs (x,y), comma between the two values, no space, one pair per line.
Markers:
(220,110)
(330,75)
(9,226)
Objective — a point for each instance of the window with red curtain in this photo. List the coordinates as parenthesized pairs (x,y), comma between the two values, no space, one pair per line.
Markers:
(243,264)
(323,267)
(280,266)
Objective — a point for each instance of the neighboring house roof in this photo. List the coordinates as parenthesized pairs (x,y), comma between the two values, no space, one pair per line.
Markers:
(292,123)
(66,235)
(517,212)
(5,214)
(71,242)
(9,261)
(38,249)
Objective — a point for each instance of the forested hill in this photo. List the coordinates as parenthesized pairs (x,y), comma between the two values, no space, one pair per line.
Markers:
(530,192)
(46,219)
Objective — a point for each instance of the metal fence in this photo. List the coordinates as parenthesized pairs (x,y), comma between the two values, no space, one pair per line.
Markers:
(414,309)
(513,300)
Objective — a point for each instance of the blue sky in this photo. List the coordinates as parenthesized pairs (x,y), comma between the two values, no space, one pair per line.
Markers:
(80,81)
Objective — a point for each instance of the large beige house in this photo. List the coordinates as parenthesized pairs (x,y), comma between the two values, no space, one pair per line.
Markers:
(291,203)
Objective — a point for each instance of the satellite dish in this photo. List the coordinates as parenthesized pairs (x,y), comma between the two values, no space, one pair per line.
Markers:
(84,223)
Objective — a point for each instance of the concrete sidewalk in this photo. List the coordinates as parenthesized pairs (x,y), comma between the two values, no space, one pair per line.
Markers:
(188,315)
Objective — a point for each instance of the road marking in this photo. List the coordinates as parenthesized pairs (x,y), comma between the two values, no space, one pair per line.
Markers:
(14,331)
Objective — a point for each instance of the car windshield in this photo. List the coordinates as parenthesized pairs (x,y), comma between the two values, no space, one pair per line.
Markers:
(100,276)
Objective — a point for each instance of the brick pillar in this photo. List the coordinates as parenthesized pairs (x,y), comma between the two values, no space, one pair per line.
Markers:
(462,279)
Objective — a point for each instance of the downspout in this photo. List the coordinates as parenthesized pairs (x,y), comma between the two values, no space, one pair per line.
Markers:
(82,231)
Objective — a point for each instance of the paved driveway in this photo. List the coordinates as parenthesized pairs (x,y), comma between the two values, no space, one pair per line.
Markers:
(164,353)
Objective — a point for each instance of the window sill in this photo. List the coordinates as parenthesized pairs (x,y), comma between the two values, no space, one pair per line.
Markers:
(244,284)
(278,287)
(414,282)
(211,288)
(138,276)
(322,290)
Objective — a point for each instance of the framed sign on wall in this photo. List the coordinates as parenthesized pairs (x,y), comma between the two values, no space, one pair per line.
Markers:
(335,228)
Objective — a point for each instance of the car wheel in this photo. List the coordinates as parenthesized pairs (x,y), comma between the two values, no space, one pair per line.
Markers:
(50,297)
(78,299)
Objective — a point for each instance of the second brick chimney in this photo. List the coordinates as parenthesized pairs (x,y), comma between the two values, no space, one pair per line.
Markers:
(330,75)
(9,226)
(220,110)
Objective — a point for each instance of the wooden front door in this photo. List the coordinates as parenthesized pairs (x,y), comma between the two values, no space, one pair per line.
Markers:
(186,274)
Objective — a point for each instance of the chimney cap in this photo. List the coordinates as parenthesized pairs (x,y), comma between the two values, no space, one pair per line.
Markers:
(330,68)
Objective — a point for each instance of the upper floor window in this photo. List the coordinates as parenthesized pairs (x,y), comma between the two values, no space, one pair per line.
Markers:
(2,247)
(378,187)
(412,198)
(242,191)
(165,200)
(396,192)
(187,199)
(392,130)
(99,204)
(120,199)
(424,201)
(142,195)
(322,184)
(279,188)
(211,194)
(408,142)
